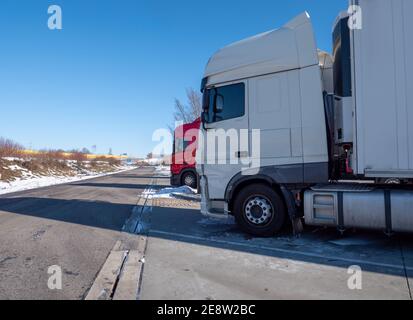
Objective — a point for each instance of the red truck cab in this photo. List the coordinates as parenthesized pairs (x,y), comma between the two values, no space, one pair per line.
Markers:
(183,164)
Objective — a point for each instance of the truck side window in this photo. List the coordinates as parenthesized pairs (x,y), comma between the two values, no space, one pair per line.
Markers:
(180,145)
(231,102)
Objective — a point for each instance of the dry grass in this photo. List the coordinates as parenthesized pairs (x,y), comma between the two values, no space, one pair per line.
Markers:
(111,161)
(6,174)
(11,170)
(48,162)
(103,164)
(47,166)
(57,155)
(9,148)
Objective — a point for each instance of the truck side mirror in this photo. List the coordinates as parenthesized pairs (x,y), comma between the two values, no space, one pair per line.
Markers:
(204,117)
(219,103)
(205,100)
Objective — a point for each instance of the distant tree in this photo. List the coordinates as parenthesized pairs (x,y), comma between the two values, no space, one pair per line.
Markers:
(9,148)
(190,111)
(85,151)
(195,103)
(149,155)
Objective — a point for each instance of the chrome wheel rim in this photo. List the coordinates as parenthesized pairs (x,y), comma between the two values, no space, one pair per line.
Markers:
(258,210)
(189,180)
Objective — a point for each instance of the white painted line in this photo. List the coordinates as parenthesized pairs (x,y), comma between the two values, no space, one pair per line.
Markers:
(292,252)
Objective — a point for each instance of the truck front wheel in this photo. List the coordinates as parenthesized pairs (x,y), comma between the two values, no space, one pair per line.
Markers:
(259,210)
(190,179)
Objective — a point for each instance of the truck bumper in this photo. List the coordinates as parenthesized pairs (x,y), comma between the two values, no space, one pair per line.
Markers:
(206,210)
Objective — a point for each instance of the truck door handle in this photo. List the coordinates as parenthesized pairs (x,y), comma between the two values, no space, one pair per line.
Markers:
(241,154)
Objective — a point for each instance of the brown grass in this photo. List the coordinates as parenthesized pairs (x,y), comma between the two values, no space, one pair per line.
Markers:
(110,161)
(57,155)
(49,162)
(9,148)
(7,174)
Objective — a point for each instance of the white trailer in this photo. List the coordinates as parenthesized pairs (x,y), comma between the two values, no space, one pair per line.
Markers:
(382,69)
(336,133)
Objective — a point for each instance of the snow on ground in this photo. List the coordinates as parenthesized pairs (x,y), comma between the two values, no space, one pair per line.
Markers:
(11,158)
(15,167)
(163,171)
(31,181)
(154,161)
(170,193)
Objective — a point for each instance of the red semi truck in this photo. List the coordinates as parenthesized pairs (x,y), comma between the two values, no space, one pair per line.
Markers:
(183,165)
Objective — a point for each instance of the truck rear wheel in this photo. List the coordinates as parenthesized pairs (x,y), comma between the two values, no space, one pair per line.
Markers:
(189,179)
(259,210)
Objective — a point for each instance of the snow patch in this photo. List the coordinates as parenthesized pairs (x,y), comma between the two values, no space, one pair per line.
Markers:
(15,167)
(11,158)
(169,193)
(31,181)
(163,171)
(153,161)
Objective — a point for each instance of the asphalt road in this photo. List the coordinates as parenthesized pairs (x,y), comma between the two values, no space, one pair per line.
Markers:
(73,226)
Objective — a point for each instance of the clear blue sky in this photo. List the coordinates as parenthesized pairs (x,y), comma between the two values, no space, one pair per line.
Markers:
(109,78)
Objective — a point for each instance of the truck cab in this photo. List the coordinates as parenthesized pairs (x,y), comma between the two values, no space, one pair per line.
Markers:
(272,83)
(290,132)
(183,164)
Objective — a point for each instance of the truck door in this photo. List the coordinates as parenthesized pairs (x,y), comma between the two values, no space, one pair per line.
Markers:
(226,138)
(275,110)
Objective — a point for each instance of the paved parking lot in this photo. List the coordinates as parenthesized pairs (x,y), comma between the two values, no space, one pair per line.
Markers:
(191,257)
(78,226)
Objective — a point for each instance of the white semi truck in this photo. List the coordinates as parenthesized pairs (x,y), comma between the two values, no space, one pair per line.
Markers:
(336,131)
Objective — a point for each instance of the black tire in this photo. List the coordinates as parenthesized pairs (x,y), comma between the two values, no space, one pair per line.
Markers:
(259,210)
(189,179)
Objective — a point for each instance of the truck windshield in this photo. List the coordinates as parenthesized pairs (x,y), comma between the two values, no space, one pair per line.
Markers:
(180,145)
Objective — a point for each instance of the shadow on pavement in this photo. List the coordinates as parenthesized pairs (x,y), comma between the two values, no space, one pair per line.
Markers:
(142,177)
(89,213)
(118,185)
(374,252)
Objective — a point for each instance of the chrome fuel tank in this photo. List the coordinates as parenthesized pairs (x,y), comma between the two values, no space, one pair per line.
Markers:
(359,206)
